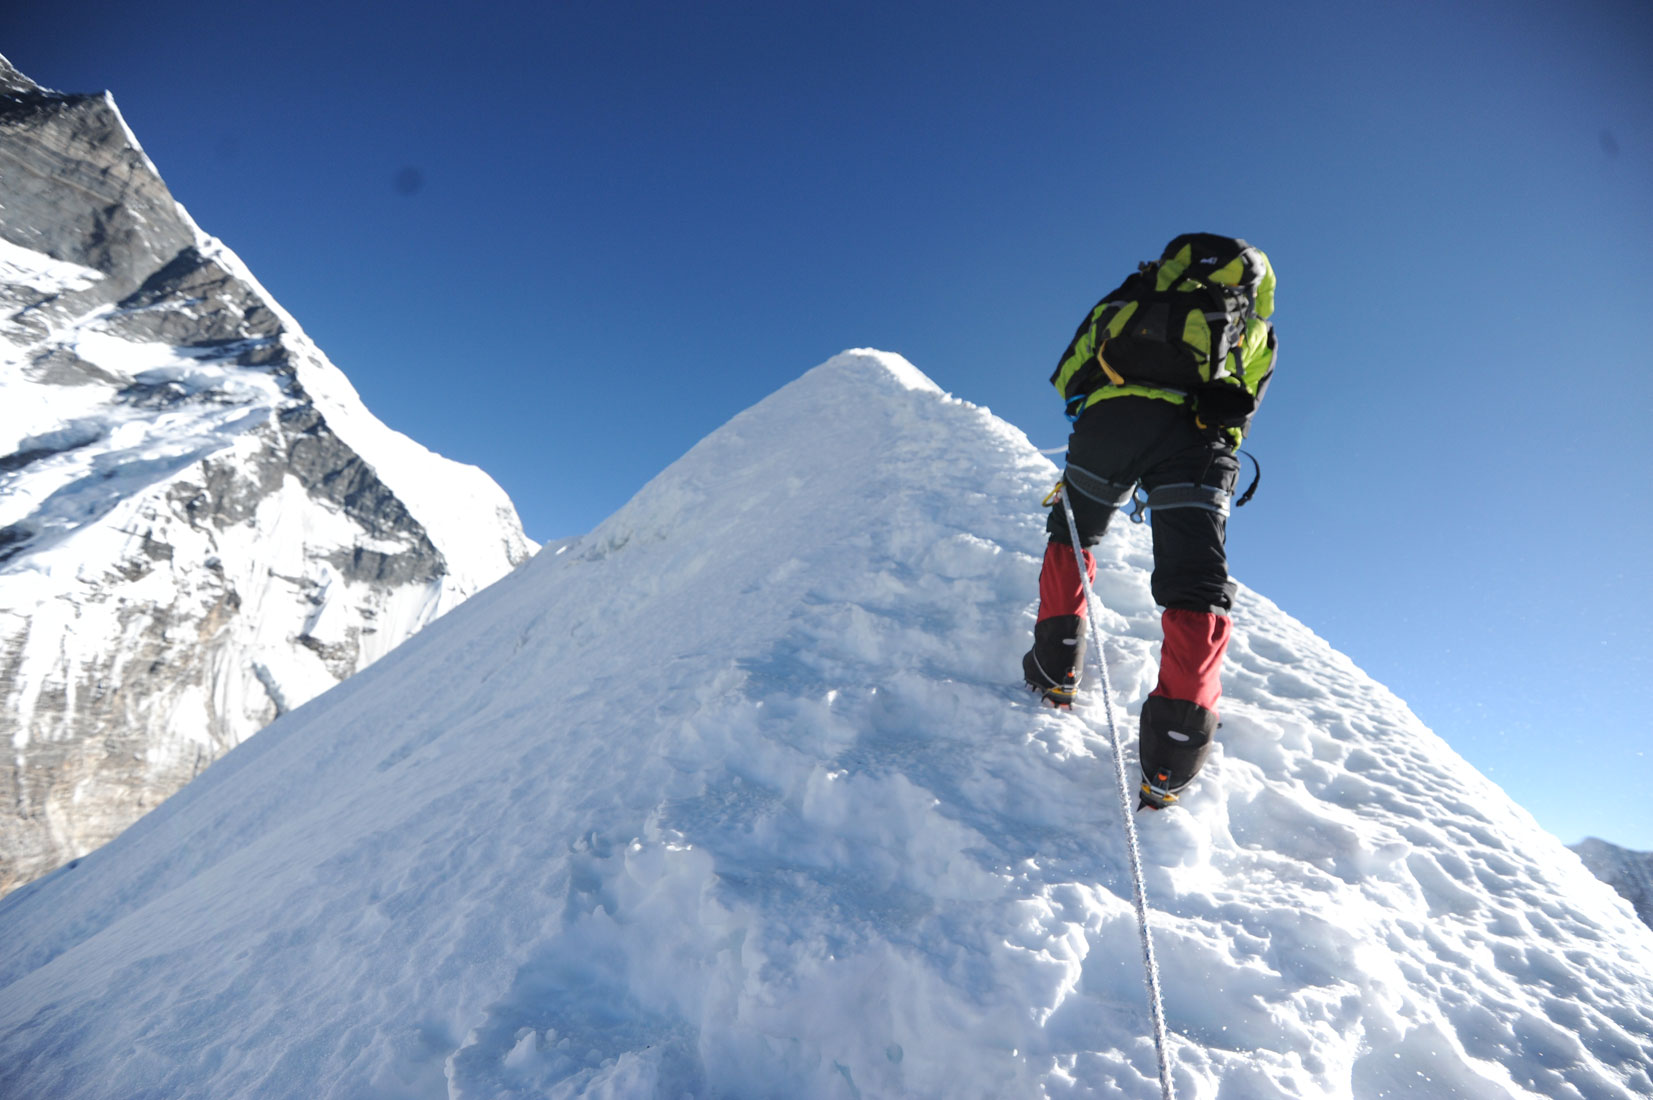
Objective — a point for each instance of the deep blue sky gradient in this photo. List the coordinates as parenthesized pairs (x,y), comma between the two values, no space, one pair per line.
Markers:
(564,241)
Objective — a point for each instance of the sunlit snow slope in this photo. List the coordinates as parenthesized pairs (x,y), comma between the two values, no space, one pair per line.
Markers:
(736,797)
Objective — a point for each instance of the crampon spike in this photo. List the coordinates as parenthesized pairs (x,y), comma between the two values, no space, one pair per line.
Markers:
(1155,793)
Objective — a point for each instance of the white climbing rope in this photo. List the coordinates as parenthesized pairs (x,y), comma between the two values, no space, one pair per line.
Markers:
(1150,967)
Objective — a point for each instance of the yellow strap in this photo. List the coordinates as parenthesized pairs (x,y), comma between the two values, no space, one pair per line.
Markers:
(1113,376)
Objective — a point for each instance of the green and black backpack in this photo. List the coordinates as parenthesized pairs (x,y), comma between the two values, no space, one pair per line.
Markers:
(1176,325)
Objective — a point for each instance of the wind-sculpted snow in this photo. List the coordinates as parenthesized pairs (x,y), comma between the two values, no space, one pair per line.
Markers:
(735,797)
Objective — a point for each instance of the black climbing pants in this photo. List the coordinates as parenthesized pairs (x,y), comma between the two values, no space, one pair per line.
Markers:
(1124,441)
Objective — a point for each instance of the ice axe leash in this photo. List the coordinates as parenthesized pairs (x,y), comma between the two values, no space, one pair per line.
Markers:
(1150,967)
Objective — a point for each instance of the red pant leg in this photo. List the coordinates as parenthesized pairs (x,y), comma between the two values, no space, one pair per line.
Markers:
(1191,660)
(1059,590)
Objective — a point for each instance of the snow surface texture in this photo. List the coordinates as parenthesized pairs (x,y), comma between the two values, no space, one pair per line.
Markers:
(1630,873)
(201,526)
(733,797)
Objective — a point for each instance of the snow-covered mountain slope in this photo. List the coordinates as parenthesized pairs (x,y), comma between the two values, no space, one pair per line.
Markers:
(201,526)
(1628,872)
(736,797)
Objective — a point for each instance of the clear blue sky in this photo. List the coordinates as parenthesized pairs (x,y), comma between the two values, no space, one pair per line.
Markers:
(564,241)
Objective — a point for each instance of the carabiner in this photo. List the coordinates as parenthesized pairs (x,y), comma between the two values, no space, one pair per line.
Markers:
(1139,505)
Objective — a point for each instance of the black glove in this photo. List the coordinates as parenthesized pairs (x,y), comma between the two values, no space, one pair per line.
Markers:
(1219,407)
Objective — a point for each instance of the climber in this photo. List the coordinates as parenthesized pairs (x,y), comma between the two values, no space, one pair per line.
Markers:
(1161,382)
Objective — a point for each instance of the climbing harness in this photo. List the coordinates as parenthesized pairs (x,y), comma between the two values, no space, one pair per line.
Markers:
(1138,498)
(1150,967)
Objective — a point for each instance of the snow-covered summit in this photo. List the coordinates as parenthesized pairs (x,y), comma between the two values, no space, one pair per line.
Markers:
(201,526)
(735,797)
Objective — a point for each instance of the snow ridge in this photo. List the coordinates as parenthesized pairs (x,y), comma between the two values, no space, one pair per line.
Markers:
(731,797)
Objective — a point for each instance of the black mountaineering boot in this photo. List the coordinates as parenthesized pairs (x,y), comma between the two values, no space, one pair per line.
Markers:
(1176,735)
(1052,666)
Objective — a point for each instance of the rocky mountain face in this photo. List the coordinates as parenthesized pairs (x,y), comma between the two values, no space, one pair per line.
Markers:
(1628,872)
(201,526)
